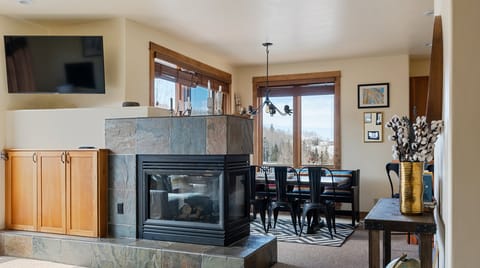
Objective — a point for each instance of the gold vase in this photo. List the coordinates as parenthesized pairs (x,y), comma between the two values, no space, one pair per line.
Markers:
(411,188)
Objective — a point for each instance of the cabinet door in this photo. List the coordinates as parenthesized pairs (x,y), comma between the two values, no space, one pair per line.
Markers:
(82,195)
(20,191)
(51,192)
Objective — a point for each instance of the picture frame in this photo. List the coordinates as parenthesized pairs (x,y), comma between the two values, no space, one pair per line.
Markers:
(372,127)
(373,95)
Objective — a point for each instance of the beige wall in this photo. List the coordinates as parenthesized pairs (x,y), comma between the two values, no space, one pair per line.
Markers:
(460,145)
(370,158)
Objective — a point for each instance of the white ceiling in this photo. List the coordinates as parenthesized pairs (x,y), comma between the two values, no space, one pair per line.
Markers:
(301,30)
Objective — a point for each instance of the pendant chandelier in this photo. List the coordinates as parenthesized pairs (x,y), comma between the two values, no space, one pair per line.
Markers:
(270,108)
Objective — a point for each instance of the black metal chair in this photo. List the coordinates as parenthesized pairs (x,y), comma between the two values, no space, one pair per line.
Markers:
(284,198)
(316,203)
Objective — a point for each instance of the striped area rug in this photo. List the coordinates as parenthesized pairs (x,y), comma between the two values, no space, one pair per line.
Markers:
(285,233)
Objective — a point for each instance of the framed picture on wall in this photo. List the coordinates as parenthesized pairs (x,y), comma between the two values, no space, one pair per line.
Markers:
(373,95)
(373,127)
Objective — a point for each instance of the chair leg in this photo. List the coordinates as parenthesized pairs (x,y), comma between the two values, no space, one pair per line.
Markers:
(262,210)
(328,217)
(275,216)
(333,220)
(294,218)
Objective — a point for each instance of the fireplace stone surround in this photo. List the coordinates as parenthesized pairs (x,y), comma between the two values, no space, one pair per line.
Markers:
(128,137)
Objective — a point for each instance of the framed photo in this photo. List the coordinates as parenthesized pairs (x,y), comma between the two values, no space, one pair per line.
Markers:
(373,135)
(368,118)
(373,127)
(379,119)
(373,95)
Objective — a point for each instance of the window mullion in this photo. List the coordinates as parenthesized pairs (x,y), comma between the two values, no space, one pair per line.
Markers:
(297,130)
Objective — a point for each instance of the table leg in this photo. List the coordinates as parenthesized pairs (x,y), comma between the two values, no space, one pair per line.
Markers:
(387,252)
(374,248)
(426,250)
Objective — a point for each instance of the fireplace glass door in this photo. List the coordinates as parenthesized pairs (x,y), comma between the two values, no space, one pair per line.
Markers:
(190,196)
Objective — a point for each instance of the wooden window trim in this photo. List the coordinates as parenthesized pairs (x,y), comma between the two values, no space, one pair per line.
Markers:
(160,52)
(297,79)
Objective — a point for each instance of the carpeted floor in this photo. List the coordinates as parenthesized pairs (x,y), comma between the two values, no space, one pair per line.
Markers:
(285,232)
(353,253)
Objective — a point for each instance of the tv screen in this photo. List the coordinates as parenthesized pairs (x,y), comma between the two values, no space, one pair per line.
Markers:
(54,64)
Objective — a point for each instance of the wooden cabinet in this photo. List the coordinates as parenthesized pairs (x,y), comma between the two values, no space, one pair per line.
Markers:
(57,191)
(21,191)
(51,192)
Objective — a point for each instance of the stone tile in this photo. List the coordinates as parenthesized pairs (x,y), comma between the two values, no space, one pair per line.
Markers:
(192,248)
(108,255)
(153,135)
(216,135)
(120,135)
(18,246)
(188,135)
(122,231)
(122,172)
(235,262)
(209,261)
(77,253)
(154,244)
(44,248)
(235,252)
(239,135)
(128,198)
(143,257)
(172,259)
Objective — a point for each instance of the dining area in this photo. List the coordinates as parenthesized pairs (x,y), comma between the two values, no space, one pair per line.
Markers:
(312,196)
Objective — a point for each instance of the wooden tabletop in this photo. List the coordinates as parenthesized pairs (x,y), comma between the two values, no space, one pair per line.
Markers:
(386,215)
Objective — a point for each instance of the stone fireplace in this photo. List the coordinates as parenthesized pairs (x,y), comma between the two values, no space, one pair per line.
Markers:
(179,178)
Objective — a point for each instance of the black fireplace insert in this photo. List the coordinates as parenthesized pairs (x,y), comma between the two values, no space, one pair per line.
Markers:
(200,199)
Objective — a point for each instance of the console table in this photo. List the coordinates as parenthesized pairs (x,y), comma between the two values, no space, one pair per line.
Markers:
(385,216)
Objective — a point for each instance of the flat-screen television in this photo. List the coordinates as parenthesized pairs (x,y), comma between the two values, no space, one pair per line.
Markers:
(54,64)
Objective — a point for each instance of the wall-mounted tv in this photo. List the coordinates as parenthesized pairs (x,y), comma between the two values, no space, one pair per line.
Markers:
(54,64)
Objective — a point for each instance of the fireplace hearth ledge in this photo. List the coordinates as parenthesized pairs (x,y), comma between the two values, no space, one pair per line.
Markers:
(253,251)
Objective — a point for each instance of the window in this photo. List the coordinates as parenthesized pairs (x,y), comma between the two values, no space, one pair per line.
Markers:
(311,136)
(177,79)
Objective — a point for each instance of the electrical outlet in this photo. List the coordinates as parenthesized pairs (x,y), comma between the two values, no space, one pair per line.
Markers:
(119,208)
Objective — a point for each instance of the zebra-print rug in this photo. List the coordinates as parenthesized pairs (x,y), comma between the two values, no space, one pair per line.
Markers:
(285,233)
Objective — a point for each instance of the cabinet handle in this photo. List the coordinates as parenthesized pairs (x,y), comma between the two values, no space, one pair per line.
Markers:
(62,158)
(67,157)
(34,157)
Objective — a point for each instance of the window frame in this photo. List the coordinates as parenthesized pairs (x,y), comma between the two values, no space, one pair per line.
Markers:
(182,61)
(289,80)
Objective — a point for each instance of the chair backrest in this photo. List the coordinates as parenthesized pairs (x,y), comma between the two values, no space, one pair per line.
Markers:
(315,181)
(281,185)
(392,167)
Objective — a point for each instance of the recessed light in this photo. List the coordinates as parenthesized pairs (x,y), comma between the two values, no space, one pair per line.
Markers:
(24,2)
(428,13)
